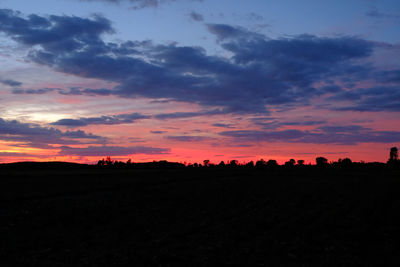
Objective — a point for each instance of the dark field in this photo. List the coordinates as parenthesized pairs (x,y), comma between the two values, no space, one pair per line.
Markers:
(199,217)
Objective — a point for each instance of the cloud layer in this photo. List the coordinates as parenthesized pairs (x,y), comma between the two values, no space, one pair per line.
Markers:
(43,137)
(260,72)
(139,4)
(338,135)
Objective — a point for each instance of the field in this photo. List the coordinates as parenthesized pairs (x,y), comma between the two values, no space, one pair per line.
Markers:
(199,217)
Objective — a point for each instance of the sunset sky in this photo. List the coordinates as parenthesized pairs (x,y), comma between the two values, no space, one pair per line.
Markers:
(188,80)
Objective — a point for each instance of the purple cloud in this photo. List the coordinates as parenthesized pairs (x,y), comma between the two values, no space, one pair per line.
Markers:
(42,137)
(261,72)
(196,16)
(340,135)
(108,120)
(188,138)
(111,151)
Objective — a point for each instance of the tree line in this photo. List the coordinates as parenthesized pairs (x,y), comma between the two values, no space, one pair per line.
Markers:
(320,162)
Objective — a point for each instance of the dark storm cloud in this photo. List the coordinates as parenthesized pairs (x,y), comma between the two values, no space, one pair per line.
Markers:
(42,137)
(339,135)
(196,16)
(108,120)
(261,72)
(112,151)
(10,82)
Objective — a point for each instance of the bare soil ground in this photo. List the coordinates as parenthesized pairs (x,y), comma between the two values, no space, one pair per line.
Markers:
(199,217)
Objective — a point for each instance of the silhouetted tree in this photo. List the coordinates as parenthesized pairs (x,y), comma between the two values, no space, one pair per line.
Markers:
(109,161)
(233,163)
(321,161)
(394,154)
(346,162)
(290,163)
(272,163)
(101,162)
(261,163)
(206,162)
(300,162)
(250,164)
(221,164)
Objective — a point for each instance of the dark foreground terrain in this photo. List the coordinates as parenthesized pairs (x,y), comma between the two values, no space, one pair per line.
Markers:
(199,217)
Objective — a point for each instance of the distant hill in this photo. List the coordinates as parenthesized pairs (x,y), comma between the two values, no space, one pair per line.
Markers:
(44,165)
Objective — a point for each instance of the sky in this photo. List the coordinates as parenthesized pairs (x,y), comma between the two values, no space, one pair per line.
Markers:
(189,80)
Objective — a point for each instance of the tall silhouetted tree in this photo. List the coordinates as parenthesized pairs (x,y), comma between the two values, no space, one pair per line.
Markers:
(206,162)
(394,154)
(109,161)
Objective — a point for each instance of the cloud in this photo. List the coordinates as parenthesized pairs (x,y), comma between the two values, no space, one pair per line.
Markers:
(196,16)
(271,123)
(188,138)
(133,117)
(260,73)
(10,82)
(223,125)
(39,91)
(339,135)
(61,34)
(102,151)
(375,13)
(158,132)
(183,115)
(70,91)
(139,4)
(42,137)
(380,98)
(108,120)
